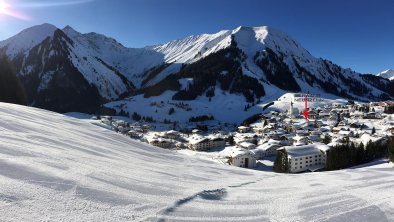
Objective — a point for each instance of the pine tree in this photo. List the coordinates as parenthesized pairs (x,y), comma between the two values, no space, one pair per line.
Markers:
(373,131)
(171,111)
(327,139)
(390,148)
(281,164)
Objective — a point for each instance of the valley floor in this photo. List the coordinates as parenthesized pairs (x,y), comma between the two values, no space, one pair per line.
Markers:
(57,168)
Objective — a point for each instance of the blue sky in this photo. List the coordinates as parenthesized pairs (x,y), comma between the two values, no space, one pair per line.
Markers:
(358,34)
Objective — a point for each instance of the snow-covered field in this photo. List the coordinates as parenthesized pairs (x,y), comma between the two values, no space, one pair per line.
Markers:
(58,168)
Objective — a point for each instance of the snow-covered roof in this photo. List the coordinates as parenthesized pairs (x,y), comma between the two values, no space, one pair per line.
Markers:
(237,152)
(247,144)
(271,143)
(155,139)
(310,149)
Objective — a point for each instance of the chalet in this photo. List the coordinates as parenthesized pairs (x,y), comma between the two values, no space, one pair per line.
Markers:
(313,114)
(277,134)
(160,142)
(357,115)
(267,149)
(119,123)
(315,136)
(325,114)
(247,145)
(205,143)
(346,133)
(106,121)
(298,140)
(372,115)
(258,130)
(243,129)
(196,131)
(242,158)
(180,145)
(290,128)
(309,157)
(133,134)
(172,134)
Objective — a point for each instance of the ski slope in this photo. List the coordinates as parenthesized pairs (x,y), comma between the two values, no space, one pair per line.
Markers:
(58,168)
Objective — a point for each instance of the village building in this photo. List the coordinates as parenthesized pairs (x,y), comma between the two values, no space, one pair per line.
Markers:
(299,140)
(180,145)
(247,145)
(172,134)
(134,134)
(372,115)
(267,149)
(313,115)
(315,136)
(200,143)
(160,142)
(306,158)
(242,158)
(243,129)
(106,121)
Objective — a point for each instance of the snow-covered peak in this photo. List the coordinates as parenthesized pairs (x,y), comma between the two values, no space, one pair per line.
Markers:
(27,39)
(388,74)
(194,47)
(70,32)
(249,39)
(253,39)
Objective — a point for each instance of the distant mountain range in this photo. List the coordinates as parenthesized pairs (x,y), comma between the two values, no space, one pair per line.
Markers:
(63,70)
(388,74)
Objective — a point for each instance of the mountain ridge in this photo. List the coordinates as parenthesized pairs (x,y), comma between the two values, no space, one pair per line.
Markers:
(387,74)
(251,61)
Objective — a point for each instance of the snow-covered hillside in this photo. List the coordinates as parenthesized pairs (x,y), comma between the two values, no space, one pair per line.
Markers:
(388,74)
(57,168)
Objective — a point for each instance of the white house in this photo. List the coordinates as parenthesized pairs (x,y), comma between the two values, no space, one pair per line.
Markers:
(160,142)
(200,143)
(243,129)
(247,145)
(242,158)
(310,157)
(106,121)
(267,149)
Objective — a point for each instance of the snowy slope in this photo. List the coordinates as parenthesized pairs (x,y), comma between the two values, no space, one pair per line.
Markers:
(388,74)
(130,62)
(27,39)
(57,168)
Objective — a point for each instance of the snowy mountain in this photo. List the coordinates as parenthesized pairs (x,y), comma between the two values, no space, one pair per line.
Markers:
(64,70)
(58,168)
(388,74)
(27,39)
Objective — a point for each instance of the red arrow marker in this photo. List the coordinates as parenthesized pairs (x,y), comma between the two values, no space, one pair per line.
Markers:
(306,113)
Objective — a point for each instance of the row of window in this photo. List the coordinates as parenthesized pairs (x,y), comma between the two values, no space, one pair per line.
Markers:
(307,157)
(307,165)
(309,162)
